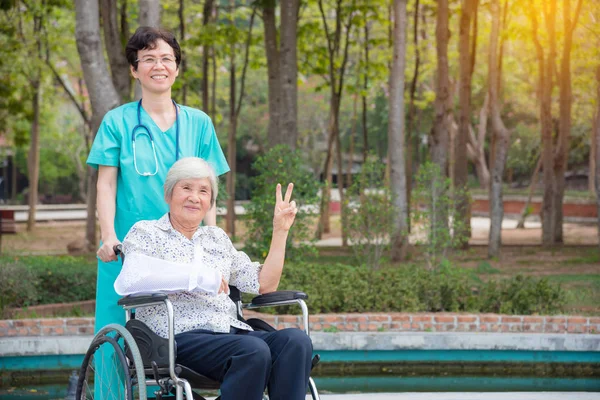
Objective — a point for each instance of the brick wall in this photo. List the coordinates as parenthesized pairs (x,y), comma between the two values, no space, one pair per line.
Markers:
(392,322)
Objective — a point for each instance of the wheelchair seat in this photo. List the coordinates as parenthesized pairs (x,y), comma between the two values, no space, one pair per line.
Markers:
(155,357)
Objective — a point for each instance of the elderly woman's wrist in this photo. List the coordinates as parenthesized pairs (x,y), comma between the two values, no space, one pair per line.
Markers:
(280,231)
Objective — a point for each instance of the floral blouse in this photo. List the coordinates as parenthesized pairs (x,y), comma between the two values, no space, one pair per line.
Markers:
(187,263)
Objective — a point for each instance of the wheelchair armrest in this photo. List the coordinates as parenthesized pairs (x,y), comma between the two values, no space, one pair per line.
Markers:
(277,297)
(140,300)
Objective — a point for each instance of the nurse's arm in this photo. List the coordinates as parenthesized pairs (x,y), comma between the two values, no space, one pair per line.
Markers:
(210,219)
(106,203)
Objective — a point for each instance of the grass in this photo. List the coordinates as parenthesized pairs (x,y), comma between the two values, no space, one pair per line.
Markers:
(508,191)
(589,259)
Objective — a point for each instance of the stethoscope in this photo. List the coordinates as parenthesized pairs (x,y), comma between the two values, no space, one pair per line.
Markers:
(146,131)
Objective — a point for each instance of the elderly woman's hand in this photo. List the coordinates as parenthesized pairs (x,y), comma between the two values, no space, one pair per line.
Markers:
(285,211)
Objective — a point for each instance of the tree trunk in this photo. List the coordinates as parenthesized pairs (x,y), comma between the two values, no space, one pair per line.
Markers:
(411,136)
(124,22)
(546,84)
(397,134)
(596,150)
(442,105)
(231,134)
(475,146)
(274,135)
(461,190)
(440,133)
(288,59)
(235,107)
(206,51)
(183,65)
(340,186)
(337,69)
(231,149)
(33,160)
(593,155)
(149,13)
(532,182)
(565,103)
(119,66)
(324,223)
(351,144)
(546,72)
(364,96)
(500,138)
(103,95)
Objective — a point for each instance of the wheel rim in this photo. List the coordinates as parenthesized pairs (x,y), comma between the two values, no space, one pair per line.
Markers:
(105,374)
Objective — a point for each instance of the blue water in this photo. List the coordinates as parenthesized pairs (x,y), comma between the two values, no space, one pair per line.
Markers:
(388,384)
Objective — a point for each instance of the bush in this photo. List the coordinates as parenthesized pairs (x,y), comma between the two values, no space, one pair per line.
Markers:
(281,165)
(434,214)
(371,222)
(332,288)
(18,285)
(46,280)
(522,295)
(341,288)
(65,278)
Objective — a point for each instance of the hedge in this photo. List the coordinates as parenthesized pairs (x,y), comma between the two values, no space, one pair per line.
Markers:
(332,288)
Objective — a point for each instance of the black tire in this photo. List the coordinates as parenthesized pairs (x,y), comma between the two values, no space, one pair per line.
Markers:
(105,366)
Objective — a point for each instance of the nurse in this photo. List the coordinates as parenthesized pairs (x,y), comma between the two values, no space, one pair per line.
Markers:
(134,148)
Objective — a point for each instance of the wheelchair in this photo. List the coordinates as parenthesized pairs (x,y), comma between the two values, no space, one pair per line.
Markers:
(126,361)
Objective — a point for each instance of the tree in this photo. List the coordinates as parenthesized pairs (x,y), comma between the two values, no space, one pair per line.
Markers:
(35,81)
(282,71)
(596,149)
(102,93)
(468,7)
(411,135)
(235,105)
(207,49)
(149,15)
(183,64)
(564,130)
(149,12)
(338,43)
(397,133)
(500,138)
(119,66)
(476,146)
(440,133)
(546,72)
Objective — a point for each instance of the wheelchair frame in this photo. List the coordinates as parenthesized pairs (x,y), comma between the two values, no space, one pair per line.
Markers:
(182,386)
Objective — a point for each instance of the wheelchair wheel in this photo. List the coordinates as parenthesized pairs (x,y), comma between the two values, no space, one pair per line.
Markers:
(107,373)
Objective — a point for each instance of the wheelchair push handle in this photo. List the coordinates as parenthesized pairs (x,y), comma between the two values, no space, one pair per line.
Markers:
(118,249)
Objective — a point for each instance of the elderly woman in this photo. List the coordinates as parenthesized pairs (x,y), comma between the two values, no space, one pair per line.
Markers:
(195,264)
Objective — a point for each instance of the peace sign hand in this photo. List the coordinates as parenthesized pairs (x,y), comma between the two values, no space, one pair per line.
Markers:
(285,211)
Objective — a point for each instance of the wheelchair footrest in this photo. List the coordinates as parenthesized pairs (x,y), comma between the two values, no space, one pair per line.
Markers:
(315,361)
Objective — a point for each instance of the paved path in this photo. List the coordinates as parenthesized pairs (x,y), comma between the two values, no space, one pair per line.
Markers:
(462,396)
(466,396)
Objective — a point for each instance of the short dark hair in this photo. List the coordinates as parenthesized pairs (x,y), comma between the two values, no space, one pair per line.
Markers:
(146,37)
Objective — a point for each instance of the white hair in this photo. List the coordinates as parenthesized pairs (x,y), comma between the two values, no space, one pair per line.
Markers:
(191,168)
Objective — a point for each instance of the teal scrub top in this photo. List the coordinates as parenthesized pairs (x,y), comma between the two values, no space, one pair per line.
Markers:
(142,197)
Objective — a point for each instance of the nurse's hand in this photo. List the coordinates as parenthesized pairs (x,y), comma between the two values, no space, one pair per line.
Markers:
(106,252)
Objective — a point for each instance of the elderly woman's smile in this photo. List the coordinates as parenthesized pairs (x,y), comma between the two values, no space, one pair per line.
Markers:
(189,202)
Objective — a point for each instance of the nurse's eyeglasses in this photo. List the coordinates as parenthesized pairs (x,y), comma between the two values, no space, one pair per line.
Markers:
(150,61)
